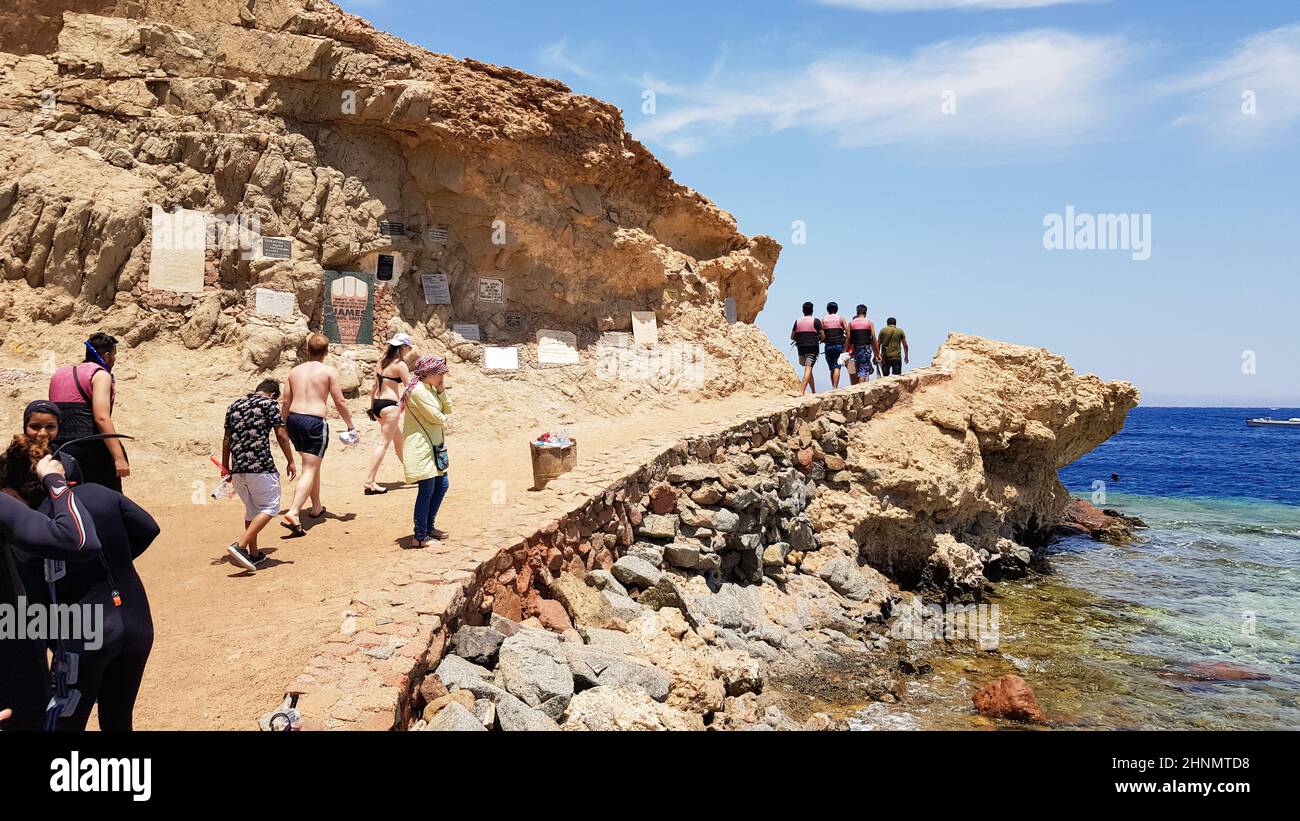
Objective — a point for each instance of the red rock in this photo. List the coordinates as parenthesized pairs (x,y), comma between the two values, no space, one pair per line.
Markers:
(553,616)
(554,560)
(507,603)
(1084,515)
(1225,671)
(834,463)
(1009,697)
(805,459)
(663,498)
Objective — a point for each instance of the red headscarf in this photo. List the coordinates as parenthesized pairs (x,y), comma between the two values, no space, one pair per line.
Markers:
(427,365)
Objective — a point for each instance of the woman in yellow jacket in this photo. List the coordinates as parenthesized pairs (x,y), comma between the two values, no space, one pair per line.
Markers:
(427,407)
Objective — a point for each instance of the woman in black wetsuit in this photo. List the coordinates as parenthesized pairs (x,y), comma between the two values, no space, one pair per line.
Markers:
(110,672)
(66,533)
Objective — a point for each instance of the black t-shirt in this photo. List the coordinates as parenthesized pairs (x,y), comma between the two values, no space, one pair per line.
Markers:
(249,421)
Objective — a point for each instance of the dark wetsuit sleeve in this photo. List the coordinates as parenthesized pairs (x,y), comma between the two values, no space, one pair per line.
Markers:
(67,533)
(141,529)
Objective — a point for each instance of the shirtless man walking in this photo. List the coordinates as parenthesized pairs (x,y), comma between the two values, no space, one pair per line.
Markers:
(310,385)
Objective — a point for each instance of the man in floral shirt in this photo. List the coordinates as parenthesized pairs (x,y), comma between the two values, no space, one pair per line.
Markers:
(246,457)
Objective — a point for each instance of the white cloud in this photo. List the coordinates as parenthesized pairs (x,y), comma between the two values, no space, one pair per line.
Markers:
(933,5)
(1264,70)
(1029,88)
(556,56)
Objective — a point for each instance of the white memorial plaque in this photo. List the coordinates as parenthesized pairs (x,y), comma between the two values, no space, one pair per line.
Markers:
(731,311)
(557,348)
(438,234)
(176,251)
(491,290)
(467,331)
(437,291)
(501,359)
(275,303)
(616,339)
(645,328)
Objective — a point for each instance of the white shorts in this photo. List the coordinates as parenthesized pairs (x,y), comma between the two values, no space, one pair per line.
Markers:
(260,493)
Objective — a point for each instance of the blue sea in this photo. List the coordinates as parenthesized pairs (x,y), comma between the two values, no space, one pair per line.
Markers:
(1114,637)
(1216,577)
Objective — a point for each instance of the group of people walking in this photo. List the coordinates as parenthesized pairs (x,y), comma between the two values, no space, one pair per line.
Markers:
(68,535)
(410,404)
(852,344)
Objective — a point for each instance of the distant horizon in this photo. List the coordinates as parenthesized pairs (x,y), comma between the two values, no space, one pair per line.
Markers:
(1203,401)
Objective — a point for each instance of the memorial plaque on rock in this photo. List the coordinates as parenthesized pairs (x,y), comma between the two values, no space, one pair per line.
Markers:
(437,291)
(501,359)
(274,303)
(438,234)
(616,339)
(491,289)
(645,328)
(467,331)
(277,247)
(176,251)
(731,311)
(384,268)
(514,321)
(392,229)
(557,347)
(349,307)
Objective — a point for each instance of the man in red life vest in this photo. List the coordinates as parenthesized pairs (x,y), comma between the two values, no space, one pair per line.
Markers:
(85,394)
(807,337)
(835,333)
(862,343)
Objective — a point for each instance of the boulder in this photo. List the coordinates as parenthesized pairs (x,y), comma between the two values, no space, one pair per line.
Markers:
(532,667)
(635,572)
(598,666)
(477,644)
(455,717)
(515,716)
(1010,697)
(462,697)
(582,601)
(663,498)
(657,526)
(620,708)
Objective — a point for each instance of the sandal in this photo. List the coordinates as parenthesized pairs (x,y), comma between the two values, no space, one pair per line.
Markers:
(295,530)
(311,515)
(370,491)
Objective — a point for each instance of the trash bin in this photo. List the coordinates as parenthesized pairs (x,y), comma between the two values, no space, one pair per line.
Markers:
(550,461)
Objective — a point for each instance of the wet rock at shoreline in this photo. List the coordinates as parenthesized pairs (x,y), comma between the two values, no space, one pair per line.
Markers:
(1010,697)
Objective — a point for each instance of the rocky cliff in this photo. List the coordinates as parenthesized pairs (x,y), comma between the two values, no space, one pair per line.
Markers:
(749,573)
(290,118)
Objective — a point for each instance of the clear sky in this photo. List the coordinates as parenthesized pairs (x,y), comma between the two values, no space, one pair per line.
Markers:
(924,144)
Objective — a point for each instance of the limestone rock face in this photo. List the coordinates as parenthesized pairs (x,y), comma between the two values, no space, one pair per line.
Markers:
(293,119)
(963,466)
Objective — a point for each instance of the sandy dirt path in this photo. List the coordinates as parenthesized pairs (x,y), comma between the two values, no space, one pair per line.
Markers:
(228,642)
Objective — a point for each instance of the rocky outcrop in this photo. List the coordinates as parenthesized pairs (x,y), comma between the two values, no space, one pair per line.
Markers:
(290,118)
(788,544)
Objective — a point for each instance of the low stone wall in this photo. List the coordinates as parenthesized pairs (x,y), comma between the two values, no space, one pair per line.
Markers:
(367,675)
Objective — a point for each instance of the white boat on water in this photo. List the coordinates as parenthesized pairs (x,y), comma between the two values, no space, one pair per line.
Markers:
(1267,422)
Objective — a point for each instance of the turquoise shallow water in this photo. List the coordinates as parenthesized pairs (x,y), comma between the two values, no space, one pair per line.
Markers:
(1106,635)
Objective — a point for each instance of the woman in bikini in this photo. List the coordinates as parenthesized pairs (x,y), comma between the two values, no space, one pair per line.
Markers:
(390,377)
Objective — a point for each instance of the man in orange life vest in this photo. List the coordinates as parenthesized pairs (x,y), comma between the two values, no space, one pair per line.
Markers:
(807,337)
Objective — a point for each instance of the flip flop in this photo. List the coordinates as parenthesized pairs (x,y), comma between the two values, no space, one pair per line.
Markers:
(372,492)
(295,530)
(323,511)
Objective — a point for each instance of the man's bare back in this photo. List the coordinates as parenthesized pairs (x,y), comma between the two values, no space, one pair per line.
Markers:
(310,386)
